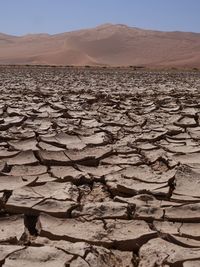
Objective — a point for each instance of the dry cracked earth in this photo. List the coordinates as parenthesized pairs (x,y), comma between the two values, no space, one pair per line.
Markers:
(99,167)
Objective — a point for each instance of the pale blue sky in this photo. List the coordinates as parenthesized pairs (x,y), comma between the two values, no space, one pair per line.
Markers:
(19,17)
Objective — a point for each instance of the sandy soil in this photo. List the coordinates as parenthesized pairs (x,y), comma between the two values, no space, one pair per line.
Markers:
(99,167)
(115,45)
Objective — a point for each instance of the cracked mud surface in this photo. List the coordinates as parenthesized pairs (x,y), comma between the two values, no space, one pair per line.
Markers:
(99,167)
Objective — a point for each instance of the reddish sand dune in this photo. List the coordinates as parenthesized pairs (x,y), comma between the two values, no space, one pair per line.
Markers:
(104,45)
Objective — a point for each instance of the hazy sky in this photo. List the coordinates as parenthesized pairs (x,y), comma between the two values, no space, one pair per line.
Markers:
(53,16)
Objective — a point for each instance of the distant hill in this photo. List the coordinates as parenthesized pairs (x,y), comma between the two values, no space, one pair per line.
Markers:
(108,44)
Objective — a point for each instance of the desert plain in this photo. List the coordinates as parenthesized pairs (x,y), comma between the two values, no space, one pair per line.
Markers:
(99,167)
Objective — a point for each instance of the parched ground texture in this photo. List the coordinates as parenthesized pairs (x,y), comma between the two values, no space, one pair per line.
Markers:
(99,167)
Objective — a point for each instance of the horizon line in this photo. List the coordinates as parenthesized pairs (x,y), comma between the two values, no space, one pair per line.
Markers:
(98,26)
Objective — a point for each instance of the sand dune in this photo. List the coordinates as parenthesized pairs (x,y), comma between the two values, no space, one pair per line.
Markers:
(107,44)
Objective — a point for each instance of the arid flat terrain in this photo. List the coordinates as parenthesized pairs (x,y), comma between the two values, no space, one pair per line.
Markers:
(100,167)
(108,44)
